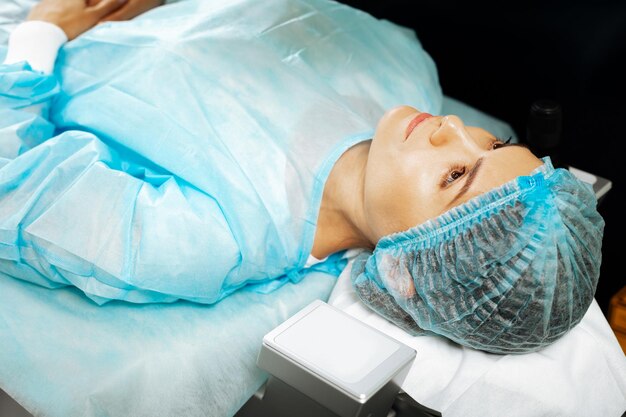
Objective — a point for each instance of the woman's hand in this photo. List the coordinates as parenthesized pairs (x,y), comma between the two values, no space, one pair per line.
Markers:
(73,16)
(131,9)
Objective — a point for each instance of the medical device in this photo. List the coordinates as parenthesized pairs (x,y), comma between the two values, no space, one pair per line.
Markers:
(326,363)
(544,135)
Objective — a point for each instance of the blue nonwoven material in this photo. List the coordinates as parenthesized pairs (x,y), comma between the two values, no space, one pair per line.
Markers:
(61,355)
(182,154)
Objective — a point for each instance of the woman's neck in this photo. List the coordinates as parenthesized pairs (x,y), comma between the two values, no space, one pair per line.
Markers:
(341,222)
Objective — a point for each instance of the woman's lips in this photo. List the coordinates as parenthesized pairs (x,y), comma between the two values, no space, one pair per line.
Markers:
(416,120)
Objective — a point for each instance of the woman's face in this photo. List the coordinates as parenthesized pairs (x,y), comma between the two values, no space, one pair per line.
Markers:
(415,172)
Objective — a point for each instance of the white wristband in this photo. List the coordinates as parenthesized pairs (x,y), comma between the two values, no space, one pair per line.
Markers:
(36,42)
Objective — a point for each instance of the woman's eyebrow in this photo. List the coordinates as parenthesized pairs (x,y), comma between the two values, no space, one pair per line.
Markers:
(469,179)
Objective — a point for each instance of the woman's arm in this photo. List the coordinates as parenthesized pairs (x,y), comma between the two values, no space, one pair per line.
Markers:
(74,211)
(27,83)
(50,24)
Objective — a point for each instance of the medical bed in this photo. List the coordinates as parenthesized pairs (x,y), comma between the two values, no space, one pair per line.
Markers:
(62,355)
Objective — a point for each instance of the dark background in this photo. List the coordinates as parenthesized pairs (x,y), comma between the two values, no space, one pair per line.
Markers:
(501,58)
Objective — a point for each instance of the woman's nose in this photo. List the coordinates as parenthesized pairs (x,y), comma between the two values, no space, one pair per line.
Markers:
(452,130)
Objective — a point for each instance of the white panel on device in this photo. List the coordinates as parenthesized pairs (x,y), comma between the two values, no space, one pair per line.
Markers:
(340,348)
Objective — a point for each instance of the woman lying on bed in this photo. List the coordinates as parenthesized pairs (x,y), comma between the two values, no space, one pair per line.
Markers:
(207,145)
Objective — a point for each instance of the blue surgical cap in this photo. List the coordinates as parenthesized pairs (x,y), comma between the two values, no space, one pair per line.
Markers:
(509,271)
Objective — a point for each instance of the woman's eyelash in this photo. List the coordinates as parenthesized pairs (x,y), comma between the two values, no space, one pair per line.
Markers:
(452,175)
(500,142)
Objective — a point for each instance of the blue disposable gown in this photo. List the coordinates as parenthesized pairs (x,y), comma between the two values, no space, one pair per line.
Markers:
(183,154)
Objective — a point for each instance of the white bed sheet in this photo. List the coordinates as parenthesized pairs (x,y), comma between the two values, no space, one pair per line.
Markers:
(581,375)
